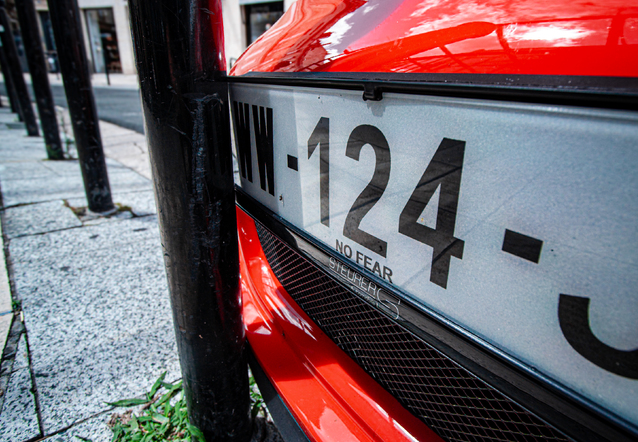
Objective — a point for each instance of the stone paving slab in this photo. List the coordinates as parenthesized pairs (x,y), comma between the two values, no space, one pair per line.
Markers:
(110,130)
(18,418)
(6,114)
(130,148)
(126,149)
(141,203)
(5,326)
(39,218)
(14,141)
(123,136)
(93,429)
(70,168)
(138,164)
(26,191)
(22,355)
(21,170)
(16,125)
(92,315)
(66,168)
(27,177)
(13,148)
(17,192)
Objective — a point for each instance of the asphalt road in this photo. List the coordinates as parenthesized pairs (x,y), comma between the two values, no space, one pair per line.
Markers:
(116,105)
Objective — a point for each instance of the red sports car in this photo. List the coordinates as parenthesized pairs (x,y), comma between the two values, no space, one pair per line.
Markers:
(438,219)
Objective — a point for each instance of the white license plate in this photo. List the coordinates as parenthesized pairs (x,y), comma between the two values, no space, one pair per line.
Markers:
(492,214)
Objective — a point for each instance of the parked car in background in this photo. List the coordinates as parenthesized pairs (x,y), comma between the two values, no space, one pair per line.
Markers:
(437,219)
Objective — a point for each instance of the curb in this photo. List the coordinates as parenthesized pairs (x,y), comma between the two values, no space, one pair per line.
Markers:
(6,307)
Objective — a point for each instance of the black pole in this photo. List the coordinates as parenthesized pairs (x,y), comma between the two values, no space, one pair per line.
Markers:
(8,83)
(39,78)
(22,94)
(180,61)
(65,18)
(105,56)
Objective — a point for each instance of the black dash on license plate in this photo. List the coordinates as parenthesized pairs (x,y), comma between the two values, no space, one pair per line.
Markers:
(522,246)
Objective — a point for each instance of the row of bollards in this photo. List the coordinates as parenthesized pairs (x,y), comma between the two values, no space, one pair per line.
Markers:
(4,65)
(179,50)
(39,78)
(21,93)
(67,30)
(77,86)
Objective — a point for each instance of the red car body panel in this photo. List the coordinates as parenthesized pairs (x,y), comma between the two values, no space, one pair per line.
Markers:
(593,38)
(329,395)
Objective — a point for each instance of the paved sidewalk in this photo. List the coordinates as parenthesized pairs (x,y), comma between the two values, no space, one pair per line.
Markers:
(92,320)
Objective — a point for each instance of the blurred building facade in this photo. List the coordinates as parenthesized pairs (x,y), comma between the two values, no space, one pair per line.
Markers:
(107,34)
(246,20)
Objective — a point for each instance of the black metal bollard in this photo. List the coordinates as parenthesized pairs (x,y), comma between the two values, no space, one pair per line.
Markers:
(65,18)
(8,83)
(106,57)
(180,61)
(22,93)
(39,78)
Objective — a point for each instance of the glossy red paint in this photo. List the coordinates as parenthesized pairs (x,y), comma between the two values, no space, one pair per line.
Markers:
(587,37)
(329,395)
(202,38)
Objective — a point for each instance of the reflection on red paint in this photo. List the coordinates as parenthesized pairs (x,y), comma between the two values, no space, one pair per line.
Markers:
(213,10)
(329,395)
(450,36)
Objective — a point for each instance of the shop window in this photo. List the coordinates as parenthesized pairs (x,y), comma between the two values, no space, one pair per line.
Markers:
(103,40)
(49,41)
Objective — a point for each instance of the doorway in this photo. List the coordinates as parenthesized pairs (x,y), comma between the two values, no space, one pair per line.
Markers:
(103,40)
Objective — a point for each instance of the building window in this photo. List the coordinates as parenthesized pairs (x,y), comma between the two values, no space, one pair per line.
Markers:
(260,17)
(49,41)
(103,40)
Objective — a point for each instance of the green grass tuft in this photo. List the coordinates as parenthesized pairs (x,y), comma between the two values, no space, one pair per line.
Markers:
(162,417)
(258,406)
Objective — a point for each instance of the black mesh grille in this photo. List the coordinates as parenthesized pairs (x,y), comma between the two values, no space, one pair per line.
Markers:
(448,398)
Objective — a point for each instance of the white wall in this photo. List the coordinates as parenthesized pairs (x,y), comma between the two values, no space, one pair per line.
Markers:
(124,39)
(234,30)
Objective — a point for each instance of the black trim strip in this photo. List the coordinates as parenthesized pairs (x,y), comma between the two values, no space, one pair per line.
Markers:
(596,92)
(288,427)
(576,416)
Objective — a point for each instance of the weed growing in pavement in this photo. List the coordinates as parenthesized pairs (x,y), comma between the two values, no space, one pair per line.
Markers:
(258,407)
(163,416)
(78,211)
(16,305)
(67,131)
(84,214)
